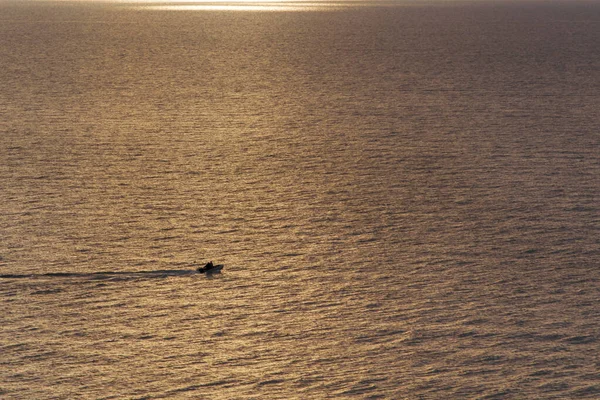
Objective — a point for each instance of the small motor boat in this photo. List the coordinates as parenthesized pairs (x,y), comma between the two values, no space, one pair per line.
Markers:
(210,268)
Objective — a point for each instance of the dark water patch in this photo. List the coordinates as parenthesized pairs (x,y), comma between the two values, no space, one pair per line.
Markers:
(111,275)
(271,382)
(489,359)
(40,356)
(218,383)
(550,337)
(581,339)
(585,304)
(358,389)
(542,372)
(384,335)
(592,377)
(554,386)
(185,389)
(47,291)
(16,346)
(593,390)
(477,321)
(158,239)
(498,395)
(479,371)
(292,254)
(146,337)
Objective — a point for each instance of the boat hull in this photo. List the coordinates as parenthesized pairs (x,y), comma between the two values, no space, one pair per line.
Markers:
(216,268)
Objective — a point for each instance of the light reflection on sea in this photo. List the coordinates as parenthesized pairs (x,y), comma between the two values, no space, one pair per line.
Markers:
(405,200)
(240,7)
(250,5)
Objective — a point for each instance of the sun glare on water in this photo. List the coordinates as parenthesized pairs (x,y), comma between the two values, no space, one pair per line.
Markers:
(237,5)
(243,5)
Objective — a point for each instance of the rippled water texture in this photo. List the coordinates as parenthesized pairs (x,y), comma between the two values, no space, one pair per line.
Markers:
(404,195)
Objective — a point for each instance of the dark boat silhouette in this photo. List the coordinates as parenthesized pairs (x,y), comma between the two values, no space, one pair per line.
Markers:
(210,268)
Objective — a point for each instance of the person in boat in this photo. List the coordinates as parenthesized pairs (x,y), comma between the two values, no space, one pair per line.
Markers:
(210,267)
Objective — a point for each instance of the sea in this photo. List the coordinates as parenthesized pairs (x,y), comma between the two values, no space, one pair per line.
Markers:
(405,196)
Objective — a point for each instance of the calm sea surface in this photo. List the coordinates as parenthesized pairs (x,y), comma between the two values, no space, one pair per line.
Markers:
(405,196)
